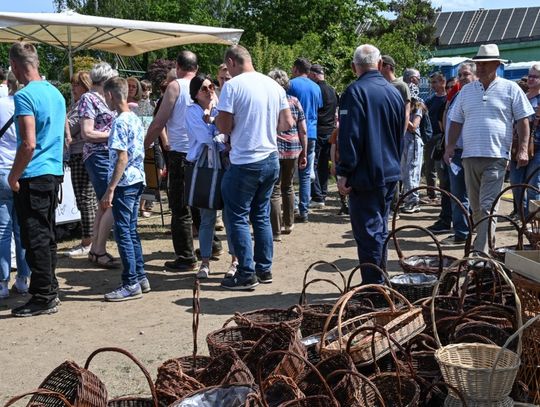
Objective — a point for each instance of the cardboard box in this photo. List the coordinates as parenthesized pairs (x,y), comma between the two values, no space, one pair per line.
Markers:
(533,207)
(525,263)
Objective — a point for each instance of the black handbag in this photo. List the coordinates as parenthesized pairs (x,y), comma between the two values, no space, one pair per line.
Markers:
(202,186)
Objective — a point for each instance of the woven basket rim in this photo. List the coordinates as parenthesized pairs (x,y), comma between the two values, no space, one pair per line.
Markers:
(495,348)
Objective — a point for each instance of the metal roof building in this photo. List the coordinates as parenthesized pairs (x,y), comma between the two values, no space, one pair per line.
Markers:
(515,30)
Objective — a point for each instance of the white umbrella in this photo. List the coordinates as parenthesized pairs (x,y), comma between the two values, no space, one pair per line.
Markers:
(74,32)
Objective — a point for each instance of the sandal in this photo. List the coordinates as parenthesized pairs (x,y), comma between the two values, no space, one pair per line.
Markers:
(108,264)
(92,257)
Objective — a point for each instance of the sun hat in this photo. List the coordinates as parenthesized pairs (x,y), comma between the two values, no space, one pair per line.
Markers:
(488,52)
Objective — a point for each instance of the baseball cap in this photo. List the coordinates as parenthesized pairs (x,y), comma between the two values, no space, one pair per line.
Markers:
(318,69)
(388,60)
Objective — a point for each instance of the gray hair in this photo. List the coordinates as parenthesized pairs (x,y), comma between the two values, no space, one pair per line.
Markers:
(280,77)
(101,72)
(536,67)
(470,65)
(410,73)
(366,55)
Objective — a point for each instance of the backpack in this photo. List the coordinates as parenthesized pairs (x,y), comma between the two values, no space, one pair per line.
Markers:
(426,131)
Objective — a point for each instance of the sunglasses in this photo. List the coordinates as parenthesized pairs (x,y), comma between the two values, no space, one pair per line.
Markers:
(533,76)
(208,88)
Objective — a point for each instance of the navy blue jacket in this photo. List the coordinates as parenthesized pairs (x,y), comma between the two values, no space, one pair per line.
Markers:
(371,124)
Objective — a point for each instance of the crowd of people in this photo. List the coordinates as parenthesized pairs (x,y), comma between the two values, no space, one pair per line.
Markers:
(258,130)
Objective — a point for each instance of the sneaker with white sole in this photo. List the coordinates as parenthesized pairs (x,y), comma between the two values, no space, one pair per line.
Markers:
(287,230)
(78,251)
(145,285)
(411,208)
(232,269)
(21,285)
(4,291)
(124,293)
(316,205)
(204,271)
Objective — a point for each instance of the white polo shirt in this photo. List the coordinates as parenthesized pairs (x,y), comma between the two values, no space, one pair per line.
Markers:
(488,116)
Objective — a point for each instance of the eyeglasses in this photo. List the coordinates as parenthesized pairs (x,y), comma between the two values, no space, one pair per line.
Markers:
(533,76)
(208,88)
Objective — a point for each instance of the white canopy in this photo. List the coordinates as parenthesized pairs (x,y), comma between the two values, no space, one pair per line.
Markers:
(74,32)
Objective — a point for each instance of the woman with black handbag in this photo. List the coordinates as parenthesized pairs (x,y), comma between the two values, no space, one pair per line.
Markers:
(205,148)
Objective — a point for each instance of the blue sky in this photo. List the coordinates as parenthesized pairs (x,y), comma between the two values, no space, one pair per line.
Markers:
(447,5)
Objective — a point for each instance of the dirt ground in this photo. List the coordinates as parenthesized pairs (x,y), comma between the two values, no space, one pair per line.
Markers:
(158,327)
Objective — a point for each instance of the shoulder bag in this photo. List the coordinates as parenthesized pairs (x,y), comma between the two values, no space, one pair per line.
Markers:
(202,186)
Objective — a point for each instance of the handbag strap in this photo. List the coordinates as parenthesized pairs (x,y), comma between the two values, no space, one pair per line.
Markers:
(6,126)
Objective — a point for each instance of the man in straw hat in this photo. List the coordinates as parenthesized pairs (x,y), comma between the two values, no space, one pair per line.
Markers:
(484,113)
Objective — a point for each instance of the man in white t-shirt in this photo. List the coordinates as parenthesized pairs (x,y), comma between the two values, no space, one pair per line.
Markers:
(252,109)
(484,113)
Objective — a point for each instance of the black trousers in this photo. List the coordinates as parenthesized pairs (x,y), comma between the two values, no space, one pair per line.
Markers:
(36,204)
(182,235)
(319,187)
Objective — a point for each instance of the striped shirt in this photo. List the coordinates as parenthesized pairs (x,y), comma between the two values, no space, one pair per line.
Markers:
(288,142)
(488,115)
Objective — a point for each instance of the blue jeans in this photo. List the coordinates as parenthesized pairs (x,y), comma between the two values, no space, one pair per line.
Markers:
(369,220)
(206,231)
(246,191)
(9,225)
(125,210)
(97,166)
(459,190)
(520,176)
(411,165)
(304,178)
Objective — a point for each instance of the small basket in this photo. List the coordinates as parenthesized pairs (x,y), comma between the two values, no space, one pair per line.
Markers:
(79,386)
(354,389)
(41,392)
(314,315)
(129,401)
(271,318)
(277,389)
(402,324)
(240,338)
(414,286)
(475,368)
(172,383)
(227,368)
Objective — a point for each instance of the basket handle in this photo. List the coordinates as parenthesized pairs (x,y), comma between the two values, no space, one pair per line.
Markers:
(465,212)
(457,264)
(267,383)
(479,310)
(44,392)
(363,378)
(427,342)
(522,188)
(496,216)
(450,387)
(518,334)
(306,362)
(196,314)
(341,303)
(229,376)
(303,297)
(383,273)
(336,269)
(134,360)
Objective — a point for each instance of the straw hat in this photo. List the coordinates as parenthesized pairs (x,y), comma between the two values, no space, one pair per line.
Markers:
(488,52)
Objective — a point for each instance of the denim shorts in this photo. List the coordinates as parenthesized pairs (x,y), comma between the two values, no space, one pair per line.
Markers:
(97,166)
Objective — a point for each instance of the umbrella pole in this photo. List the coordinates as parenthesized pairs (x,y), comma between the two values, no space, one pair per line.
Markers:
(70,55)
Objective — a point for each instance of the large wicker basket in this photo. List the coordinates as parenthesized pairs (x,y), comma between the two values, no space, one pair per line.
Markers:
(402,324)
(472,367)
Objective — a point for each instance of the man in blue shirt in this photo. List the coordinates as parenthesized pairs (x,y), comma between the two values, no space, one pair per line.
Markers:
(40,116)
(310,97)
(371,123)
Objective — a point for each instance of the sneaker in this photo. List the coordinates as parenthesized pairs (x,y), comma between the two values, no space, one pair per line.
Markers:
(21,285)
(276,238)
(452,240)
(411,208)
(4,291)
(78,251)
(316,205)
(145,285)
(232,270)
(287,230)
(203,272)
(32,308)
(124,293)
(344,210)
(237,284)
(439,228)
(219,225)
(216,252)
(264,278)
(179,266)
(301,218)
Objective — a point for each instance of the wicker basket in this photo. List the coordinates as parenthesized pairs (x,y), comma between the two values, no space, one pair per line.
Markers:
(314,315)
(79,386)
(529,372)
(240,338)
(228,368)
(42,392)
(472,367)
(278,389)
(414,286)
(353,389)
(172,383)
(282,338)
(402,324)
(271,318)
(129,401)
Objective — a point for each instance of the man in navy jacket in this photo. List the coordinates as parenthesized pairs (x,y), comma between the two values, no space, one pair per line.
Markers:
(371,123)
